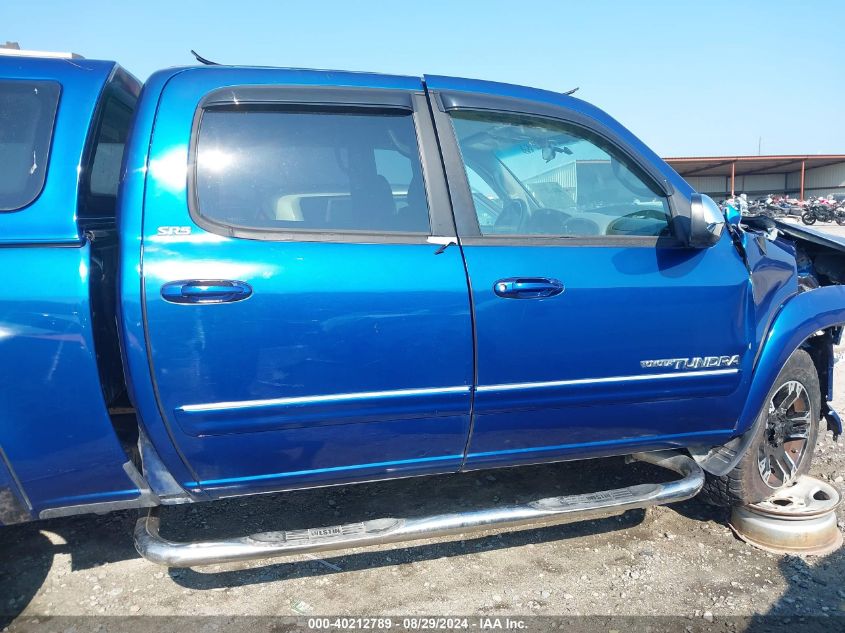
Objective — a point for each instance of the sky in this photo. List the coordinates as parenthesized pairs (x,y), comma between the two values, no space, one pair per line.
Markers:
(690,78)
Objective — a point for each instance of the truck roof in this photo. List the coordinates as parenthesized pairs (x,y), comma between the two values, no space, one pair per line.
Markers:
(53,63)
(332,77)
(57,68)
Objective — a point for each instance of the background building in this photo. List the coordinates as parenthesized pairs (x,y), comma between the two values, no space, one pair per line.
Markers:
(797,176)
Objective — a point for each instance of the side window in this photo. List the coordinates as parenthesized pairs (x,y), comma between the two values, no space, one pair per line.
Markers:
(100,189)
(27,115)
(316,170)
(531,176)
(488,204)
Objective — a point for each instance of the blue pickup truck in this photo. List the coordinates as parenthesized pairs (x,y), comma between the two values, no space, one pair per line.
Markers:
(237,280)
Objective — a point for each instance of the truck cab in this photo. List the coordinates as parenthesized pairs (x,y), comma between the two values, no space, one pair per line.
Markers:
(245,280)
(305,324)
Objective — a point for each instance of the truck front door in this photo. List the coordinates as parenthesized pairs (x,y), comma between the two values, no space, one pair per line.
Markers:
(597,332)
(304,324)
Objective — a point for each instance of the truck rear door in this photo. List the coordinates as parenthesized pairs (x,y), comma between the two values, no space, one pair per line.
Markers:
(304,324)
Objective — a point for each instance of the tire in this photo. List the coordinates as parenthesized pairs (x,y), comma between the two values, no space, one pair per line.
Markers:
(808,218)
(840,219)
(781,435)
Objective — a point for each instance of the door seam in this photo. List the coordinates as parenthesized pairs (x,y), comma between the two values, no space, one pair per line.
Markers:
(470,295)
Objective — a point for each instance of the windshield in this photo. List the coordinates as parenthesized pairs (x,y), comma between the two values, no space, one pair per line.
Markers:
(27,114)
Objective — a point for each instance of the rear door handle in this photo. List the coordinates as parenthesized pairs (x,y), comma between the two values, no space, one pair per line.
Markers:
(527,287)
(205,291)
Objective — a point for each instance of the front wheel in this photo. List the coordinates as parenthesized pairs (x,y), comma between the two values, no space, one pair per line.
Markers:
(840,219)
(808,218)
(784,442)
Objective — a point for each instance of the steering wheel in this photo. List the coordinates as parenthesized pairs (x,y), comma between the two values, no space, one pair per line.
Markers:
(549,211)
(547,221)
(581,227)
(645,214)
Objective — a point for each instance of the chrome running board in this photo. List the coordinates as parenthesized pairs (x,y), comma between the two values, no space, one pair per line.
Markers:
(551,510)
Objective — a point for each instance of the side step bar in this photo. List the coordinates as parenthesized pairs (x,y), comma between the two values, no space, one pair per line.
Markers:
(551,510)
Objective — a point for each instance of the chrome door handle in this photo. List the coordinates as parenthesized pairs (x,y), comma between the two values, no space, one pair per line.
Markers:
(527,287)
(205,291)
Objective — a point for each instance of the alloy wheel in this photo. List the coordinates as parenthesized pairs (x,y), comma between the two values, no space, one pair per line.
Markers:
(786,436)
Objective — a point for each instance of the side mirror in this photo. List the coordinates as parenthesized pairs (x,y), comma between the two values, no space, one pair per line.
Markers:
(706,222)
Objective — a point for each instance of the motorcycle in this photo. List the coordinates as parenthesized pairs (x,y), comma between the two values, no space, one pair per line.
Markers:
(777,207)
(820,210)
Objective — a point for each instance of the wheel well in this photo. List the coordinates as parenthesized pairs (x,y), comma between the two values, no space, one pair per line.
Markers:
(719,460)
(820,348)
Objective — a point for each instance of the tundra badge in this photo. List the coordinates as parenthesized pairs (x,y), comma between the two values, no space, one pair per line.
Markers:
(696,362)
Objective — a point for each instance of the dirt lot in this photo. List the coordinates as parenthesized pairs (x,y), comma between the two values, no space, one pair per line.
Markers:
(680,560)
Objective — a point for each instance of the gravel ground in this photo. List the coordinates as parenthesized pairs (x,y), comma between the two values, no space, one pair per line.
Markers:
(680,560)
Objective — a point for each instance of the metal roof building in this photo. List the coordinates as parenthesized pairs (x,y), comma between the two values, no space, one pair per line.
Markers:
(799,176)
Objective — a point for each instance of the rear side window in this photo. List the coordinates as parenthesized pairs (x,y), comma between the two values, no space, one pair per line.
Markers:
(100,188)
(27,115)
(318,170)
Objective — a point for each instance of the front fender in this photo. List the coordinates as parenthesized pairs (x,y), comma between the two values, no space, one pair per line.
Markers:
(799,318)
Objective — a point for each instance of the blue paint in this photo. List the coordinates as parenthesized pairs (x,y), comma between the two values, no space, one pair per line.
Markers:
(798,319)
(130,311)
(396,317)
(54,425)
(309,412)
(51,218)
(320,471)
(612,315)
(562,448)
(358,360)
(94,497)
